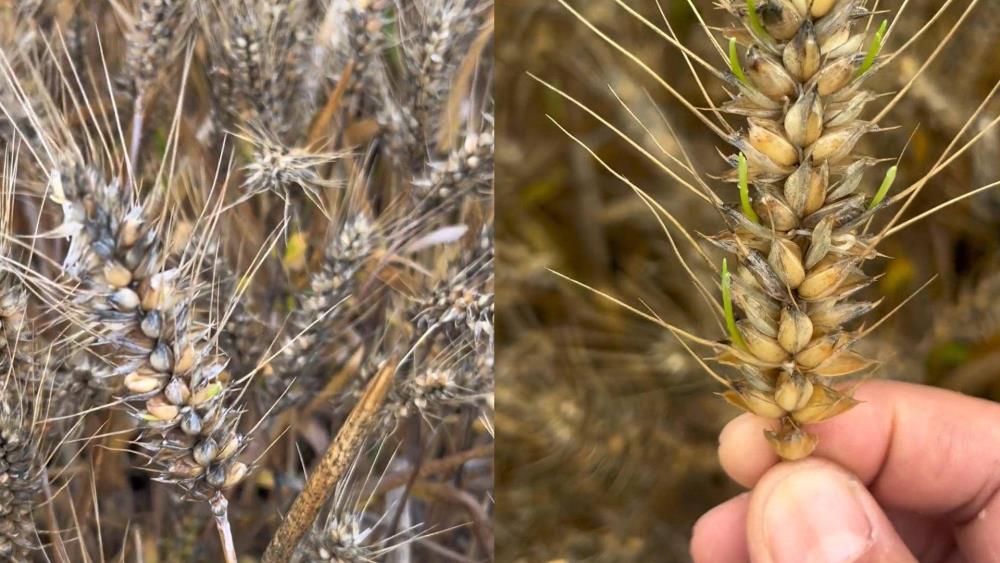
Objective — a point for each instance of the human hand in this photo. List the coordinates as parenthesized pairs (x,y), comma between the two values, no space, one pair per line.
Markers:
(911,474)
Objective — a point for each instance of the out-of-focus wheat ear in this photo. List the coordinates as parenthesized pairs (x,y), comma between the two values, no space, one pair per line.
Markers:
(321,320)
(343,535)
(949,155)
(332,468)
(464,170)
(434,36)
(472,86)
(460,305)
(20,463)
(441,28)
(359,31)
(257,53)
(654,206)
(291,173)
(322,331)
(352,530)
(244,331)
(701,190)
(449,333)
(19,481)
(155,36)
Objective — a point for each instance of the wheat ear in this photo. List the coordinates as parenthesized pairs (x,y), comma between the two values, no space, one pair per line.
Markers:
(23,376)
(331,469)
(797,71)
(798,240)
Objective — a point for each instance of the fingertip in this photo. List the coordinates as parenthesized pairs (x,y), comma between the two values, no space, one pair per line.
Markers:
(743,452)
(814,510)
(719,536)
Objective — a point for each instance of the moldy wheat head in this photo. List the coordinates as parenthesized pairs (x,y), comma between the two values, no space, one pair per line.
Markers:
(797,73)
(19,484)
(800,242)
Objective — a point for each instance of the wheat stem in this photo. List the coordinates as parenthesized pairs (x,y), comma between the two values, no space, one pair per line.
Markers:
(220,510)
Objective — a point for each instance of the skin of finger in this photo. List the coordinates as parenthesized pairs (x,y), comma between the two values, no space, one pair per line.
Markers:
(918,448)
(885,545)
(930,539)
(719,536)
(979,538)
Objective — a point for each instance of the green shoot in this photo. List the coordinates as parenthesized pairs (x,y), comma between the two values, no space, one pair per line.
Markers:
(874,48)
(755,25)
(727,306)
(745,190)
(734,62)
(890,175)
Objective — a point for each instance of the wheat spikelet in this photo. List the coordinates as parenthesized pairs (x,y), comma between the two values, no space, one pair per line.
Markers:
(322,321)
(463,169)
(448,332)
(284,170)
(349,532)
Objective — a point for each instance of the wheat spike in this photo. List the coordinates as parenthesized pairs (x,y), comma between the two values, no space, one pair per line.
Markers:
(21,374)
(799,238)
(19,482)
(257,54)
(155,38)
(797,73)
(322,322)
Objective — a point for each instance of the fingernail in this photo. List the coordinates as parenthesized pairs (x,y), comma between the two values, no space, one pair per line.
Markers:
(816,516)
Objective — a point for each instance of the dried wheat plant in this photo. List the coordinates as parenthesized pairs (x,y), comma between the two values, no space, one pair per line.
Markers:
(804,224)
(246,260)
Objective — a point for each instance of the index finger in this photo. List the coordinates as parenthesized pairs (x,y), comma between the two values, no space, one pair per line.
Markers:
(917,448)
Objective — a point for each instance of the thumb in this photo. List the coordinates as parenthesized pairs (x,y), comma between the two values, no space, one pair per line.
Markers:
(813,511)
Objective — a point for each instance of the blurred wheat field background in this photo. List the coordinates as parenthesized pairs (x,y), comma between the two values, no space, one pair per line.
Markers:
(609,428)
